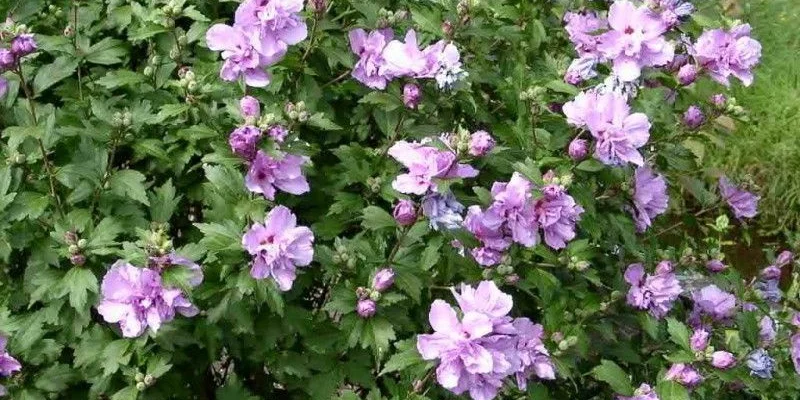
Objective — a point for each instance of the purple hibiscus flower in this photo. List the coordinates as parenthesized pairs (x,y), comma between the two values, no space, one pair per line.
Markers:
(618,133)
(649,197)
(278,247)
(655,293)
(713,302)
(8,364)
(635,40)
(136,299)
(557,214)
(370,68)
(426,163)
(723,54)
(242,57)
(743,203)
(286,174)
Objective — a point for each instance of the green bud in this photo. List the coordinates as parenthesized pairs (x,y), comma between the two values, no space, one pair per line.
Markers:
(303,116)
(20,158)
(505,269)
(572,340)
(74,249)
(192,86)
(487,273)
(175,53)
(375,295)
(293,114)
(149,380)
(300,105)
(139,377)
(148,71)
(141,386)
(563,345)
(82,243)
(351,263)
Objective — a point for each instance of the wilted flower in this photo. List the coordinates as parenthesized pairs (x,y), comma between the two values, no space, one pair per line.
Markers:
(581,69)
(405,212)
(480,143)
(244,141)
(794,348)
(366,308)
(383,280)
(715,265)
(684,374)
(411,95)
(267,173)
(650,197)
(766,332)
(743,203)
(760,364)
(655,293)
(442,211)
(784,258)
(278,246)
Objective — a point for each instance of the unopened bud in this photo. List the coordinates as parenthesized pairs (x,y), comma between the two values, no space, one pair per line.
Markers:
(141,386)
(20,158)
(74,249)
(69,31)
(139,377)
(82,243)
(148,71)
(77,259)
(149,380)
(302,116)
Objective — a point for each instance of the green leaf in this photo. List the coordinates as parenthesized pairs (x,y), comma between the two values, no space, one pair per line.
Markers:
(748,327)
(163,202)
(192,13)
(220,237)
(377,218)
(233,390)
(55,379)
(385,100)
(678,332)
(168,111)
(406,357)
(382,332)
(128,393)
(320,121)
(671,390)
(105,233)
(158,366)
(51,74)
(121,77)
(107,52)
(78,282)
(130,183)
(590,165)
(609,372)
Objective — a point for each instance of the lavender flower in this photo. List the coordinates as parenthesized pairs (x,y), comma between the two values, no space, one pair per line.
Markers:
(715,266)
(244,141)
(7,60)
(581,28)
(713,302)
(279,246)
(442,211)
(370,68)
(760,364)
(480,143)
(655,293)
(278,133)
(684,374)
(136,299)
(649,197)
(267,173)
(643,392)
(794,350)
(23,44)
(557,215)
(242,58)
(275,24)
(405,212)
(719,100)
(687,74)
(769,290)
(8,364)
(635,40)
(784,258)
(581,69)
(699,339)
(426,163)
(744,204)
(724,54)
(767,331)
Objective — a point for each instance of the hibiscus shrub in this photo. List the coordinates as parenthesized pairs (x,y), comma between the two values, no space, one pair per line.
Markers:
(382,200)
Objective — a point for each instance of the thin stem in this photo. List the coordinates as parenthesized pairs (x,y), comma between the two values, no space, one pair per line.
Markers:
(397,246)
(697,214)
(311,39)
(109,166)
(392,138)
(45,160)
(75,45)
(337,79)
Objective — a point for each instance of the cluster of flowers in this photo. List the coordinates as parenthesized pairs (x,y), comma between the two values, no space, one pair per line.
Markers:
(260,36)
(382,59)
(21,44)
(136,298)
(429,165)
(367,304)
(633,37)
(478,351)
(515,216)
(8,365)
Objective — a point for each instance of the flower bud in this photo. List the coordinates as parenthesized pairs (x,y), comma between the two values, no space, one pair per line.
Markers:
(405,212)
(557,336)
(23,44)
(578,149)
(139,377)
(664,267)
(69,31)
(480,143)
(719,100)
(784,258)
(362,292)
(687,74)
(512,279)
(141,386)
(771,272)
(149,380)
(722,359)
(715,265)
(70,237)
(411,95)
(383,280)
(447,28)
(148,71)
(699,340)
(693,117)
(374,295)
(175,53)
(249,107)
(278,133)
(303,116)
(82,243)
(366,308)
(74,249)
(7,60)
(77,259)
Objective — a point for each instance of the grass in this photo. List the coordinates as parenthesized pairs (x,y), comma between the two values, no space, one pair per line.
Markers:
(768,148)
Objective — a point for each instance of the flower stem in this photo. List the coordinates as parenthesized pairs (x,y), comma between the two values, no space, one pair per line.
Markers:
(48,167)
